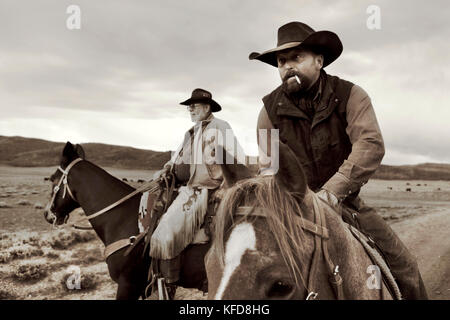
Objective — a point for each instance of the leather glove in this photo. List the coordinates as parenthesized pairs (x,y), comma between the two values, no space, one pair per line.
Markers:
(329,197)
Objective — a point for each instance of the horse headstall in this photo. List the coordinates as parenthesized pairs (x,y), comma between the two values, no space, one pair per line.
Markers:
(63,181)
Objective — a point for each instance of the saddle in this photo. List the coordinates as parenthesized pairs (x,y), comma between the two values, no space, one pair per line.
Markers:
(164,272)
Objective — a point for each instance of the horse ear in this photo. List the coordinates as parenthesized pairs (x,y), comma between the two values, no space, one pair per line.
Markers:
(69,154)
(233,172)
(68,150)
(290,172)
(80,151)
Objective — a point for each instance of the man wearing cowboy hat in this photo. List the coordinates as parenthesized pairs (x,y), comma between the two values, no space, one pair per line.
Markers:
(331,126)
(199,156)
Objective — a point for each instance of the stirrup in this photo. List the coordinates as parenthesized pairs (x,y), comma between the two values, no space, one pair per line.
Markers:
(162,289)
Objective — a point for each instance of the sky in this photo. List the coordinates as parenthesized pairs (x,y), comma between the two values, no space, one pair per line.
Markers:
(120,77)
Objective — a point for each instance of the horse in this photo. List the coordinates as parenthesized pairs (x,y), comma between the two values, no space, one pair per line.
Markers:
(275,239)
(80,183)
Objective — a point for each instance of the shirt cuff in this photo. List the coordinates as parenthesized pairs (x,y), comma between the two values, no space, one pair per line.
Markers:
(341,186)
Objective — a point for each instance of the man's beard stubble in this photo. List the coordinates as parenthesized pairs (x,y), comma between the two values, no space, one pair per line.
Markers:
(290,84)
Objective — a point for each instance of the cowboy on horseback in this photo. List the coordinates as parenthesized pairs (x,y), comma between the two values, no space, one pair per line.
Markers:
(196,164)
(331,126)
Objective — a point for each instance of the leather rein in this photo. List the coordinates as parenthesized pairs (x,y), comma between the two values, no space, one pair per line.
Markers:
(117,245)
(321,236)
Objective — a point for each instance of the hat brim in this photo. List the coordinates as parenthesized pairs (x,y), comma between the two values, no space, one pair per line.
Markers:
(215,107)
(323,42)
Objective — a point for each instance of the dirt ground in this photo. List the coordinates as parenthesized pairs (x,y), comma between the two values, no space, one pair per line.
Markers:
(421,218)
(37,261)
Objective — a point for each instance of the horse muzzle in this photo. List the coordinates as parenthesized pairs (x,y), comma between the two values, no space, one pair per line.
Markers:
(49,216)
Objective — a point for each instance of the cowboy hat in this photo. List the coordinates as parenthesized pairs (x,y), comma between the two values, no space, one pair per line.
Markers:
(297,34)
(201,95)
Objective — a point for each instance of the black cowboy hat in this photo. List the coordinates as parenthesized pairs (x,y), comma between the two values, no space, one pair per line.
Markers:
(297,34)
(201,95)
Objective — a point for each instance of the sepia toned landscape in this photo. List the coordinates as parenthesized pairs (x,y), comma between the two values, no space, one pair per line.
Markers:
(36,260)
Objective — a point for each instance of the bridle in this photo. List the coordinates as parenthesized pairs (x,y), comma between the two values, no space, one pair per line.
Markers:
(321,236)
(62,180)
(151,186)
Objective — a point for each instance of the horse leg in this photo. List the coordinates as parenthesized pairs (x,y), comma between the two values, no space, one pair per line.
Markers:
(193,273)
(127,290)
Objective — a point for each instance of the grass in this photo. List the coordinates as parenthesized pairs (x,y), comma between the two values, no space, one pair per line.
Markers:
(5,257)
(64,240)
(52,255)
(7,295)
(19,252)
(30,272)
(88,256)
(25,252)
(89,281)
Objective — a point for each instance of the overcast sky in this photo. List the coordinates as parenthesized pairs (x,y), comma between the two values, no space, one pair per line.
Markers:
(119,79)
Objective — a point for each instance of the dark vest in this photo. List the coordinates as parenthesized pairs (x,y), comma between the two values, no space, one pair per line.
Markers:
(321,144)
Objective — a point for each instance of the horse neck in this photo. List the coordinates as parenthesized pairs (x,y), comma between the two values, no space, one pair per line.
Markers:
(96,189)
(346,252)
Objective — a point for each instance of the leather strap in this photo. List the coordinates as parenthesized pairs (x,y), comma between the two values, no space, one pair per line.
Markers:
(150,186)
(65,176)
(312,295)
(120,244)
(334,277)
(62,180)
(116,246)
(321,235)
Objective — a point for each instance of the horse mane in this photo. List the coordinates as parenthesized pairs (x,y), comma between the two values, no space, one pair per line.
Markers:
(282,208)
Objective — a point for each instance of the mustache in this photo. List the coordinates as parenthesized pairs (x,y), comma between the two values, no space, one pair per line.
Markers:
(292,74)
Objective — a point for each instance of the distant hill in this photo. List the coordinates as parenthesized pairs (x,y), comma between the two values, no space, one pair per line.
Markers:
(29,152)
(424,171)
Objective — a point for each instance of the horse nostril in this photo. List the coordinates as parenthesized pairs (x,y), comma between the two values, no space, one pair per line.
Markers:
(280,289)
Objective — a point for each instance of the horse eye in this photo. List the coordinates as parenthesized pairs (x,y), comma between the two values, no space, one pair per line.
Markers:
(279,289)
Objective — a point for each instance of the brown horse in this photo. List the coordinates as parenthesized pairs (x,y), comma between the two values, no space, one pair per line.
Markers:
(87,185)
(274,239)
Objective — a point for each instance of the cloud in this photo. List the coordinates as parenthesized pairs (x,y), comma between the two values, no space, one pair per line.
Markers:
(131,63)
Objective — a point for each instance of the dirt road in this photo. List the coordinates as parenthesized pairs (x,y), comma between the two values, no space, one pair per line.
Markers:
(428,238)
(34,258)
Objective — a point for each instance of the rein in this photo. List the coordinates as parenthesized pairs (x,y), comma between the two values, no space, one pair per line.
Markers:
(151,186)
(321,236)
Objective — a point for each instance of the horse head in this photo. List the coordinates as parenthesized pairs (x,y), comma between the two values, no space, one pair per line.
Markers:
(259,249)
(62,200)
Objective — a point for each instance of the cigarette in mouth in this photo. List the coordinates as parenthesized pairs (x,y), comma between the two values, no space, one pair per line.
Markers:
(298,80)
